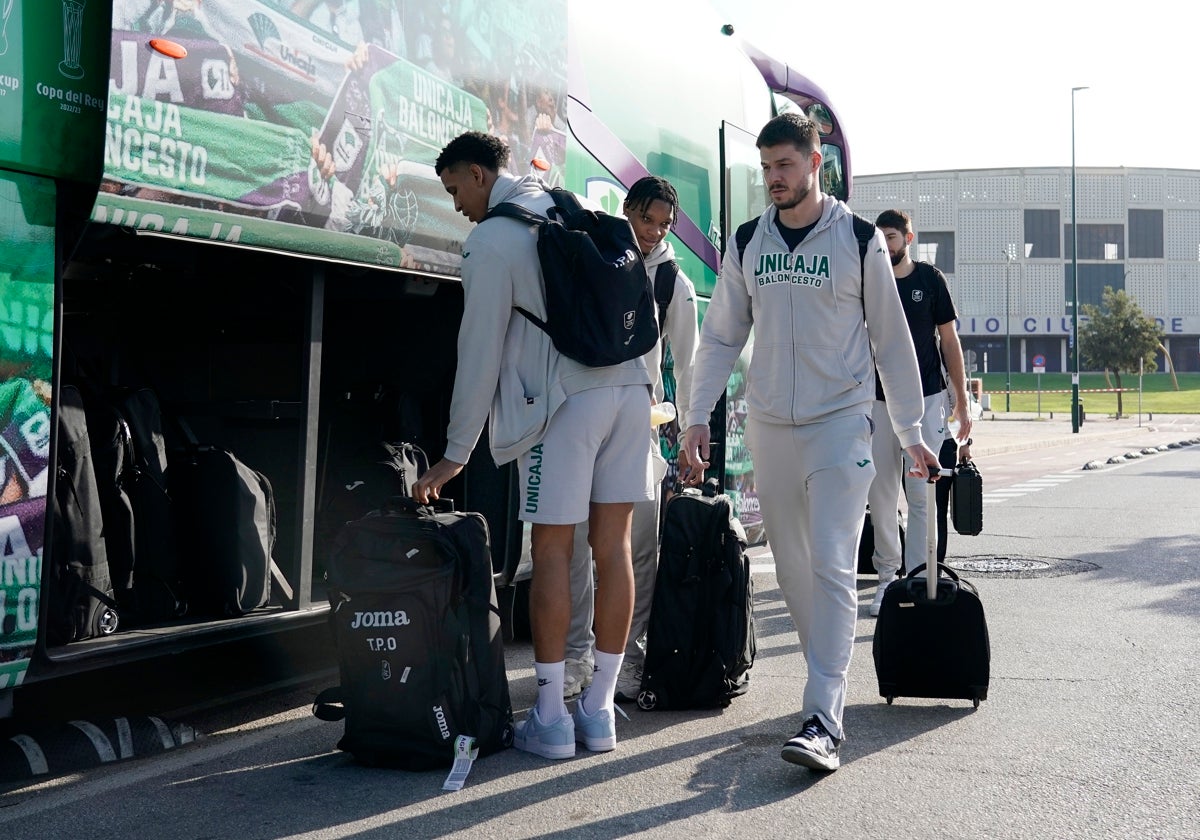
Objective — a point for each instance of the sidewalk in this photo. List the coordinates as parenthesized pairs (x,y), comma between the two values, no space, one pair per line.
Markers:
(998,432)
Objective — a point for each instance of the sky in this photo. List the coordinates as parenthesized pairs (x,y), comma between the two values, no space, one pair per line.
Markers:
(933,84)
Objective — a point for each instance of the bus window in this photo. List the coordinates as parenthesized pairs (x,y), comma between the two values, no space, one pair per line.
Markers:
(833,178)
(833,165)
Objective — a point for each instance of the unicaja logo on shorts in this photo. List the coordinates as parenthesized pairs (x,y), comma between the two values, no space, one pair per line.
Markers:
(383,618)
(443,727)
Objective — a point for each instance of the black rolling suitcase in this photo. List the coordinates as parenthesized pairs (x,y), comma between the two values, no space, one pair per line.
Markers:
(418,637)
(700,641)
(931,637)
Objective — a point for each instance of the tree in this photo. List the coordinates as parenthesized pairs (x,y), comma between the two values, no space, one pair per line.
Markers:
(1117,336)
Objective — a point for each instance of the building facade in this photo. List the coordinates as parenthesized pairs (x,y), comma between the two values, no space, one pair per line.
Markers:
(1003,238)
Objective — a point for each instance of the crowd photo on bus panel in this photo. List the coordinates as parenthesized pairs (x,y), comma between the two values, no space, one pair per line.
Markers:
(454,40)
(820,453)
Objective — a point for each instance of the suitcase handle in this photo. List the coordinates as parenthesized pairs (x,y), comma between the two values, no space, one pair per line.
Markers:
(942,567)
(411,505)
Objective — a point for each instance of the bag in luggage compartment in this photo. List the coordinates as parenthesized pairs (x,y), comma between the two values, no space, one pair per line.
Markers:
(225,519)
(80,603)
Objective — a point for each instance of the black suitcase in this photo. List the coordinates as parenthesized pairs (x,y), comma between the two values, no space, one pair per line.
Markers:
(931,637)
(700,642)
(417,628)
(966,499)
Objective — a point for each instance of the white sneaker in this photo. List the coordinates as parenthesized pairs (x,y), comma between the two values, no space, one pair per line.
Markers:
(577,675)
(629,682)
(877,604)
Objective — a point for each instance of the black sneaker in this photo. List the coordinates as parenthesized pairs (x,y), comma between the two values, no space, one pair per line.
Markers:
(813,747)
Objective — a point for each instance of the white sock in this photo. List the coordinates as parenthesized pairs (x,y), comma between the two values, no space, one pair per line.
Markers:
(604,682)
(550,706)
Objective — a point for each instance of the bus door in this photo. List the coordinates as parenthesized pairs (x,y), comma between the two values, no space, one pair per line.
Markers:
(743,197)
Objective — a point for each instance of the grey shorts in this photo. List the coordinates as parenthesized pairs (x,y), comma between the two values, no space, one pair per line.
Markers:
(596,449)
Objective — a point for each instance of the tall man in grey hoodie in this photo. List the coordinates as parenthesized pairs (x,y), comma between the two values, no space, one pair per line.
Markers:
(577,432)
(819,323)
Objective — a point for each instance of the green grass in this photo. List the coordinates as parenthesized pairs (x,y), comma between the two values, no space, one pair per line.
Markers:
(1158,393)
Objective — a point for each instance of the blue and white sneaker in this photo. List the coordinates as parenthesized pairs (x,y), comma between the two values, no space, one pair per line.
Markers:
(813,747)
(552,740)
(597,732)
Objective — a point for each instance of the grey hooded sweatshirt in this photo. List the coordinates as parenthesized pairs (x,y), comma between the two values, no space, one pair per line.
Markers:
(508,369)
(813,350)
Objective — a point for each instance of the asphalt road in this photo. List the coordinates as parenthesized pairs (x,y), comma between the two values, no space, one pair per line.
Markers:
(1089,731)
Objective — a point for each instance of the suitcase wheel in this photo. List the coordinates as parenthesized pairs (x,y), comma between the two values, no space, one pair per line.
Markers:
(890,699)
(647,700)
(976,702)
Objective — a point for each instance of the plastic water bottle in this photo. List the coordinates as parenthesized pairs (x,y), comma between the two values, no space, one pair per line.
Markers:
(663,412)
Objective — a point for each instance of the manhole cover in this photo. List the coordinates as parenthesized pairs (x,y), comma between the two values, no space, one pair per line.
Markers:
(1016,566)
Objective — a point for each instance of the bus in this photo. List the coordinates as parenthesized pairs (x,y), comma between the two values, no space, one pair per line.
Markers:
(232,204)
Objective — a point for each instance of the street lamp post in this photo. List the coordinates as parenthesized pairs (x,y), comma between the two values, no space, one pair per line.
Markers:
(1008,254)
(1074,280)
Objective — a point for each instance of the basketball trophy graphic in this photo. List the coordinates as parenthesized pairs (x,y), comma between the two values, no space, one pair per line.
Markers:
(72,38)
(7,4)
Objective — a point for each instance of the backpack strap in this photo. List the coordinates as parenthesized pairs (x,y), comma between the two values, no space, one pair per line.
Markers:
(509,210)
(744,234)
(864,232)
(664,289)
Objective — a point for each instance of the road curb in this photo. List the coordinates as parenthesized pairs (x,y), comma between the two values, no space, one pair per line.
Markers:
(55,749)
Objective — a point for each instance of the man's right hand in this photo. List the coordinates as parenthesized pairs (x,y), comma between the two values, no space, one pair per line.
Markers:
(429,485)
(695,447)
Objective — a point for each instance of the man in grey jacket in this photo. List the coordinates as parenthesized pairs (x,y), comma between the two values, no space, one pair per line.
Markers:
(819,322)
(578,434)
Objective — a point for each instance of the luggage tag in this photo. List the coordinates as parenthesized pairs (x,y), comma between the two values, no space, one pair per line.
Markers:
(465,753)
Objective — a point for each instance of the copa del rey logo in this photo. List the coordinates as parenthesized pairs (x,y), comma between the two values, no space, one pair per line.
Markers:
(382,618)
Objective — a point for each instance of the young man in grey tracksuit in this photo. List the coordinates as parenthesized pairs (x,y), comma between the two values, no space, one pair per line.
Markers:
(578,434)
(651,206)
(819,324)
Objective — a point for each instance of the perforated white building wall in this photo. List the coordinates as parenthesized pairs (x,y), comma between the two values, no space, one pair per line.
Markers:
(1101,198)
(984,235)
(1183,288)
(1145,190)
(1042,290)
(1181,230)
(1182,190)
(1146,283)
(935,204)
(1042,189)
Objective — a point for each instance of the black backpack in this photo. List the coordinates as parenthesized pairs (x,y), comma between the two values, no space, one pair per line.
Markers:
(700,642)
(419,644)
(600,307)
(81,604)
